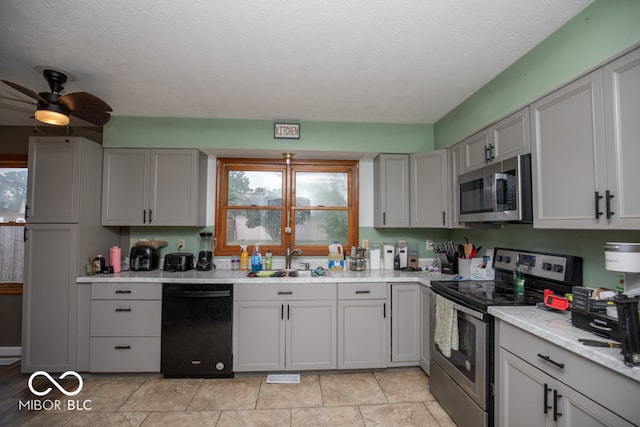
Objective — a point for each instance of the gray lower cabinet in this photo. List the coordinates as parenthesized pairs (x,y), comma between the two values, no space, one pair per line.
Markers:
(363,324)
(405,324)
(125,327)
(281,327)
(541,384)
(425,328)
(154,187)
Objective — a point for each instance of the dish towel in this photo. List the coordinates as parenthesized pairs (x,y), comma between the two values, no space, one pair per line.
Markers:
(446,328)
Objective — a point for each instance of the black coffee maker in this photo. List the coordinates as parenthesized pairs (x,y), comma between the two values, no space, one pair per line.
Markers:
(205,256)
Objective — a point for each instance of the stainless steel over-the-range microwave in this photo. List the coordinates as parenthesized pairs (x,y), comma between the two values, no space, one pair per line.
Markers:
(500,192)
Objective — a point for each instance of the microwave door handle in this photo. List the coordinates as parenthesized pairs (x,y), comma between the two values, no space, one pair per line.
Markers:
(497,196)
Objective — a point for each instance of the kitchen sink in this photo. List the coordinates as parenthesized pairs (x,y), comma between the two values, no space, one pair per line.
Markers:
(291,272)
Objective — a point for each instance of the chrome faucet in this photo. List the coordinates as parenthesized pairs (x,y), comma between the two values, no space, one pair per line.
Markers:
(290,253)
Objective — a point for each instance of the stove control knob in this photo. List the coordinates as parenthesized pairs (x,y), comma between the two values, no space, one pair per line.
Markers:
(507,259)
(500,258)
(557,268)
(546,266)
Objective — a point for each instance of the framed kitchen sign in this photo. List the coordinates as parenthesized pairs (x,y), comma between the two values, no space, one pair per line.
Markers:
(286,131)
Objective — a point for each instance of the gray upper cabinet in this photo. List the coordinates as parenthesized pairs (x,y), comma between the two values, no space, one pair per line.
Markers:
(585,149)
(429,189)
(154,187)
(507,138)
(622,134)
(455,166)
(391,191)
(53,181)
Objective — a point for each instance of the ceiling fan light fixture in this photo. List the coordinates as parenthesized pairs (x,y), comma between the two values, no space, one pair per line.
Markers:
(52,114)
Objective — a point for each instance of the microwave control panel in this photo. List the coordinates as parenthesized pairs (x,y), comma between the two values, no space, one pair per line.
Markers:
(560,268)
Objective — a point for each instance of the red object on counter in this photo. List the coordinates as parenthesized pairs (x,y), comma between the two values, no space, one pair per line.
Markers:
(554,301)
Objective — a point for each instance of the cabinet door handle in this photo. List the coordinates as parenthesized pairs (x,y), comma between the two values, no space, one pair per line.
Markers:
(384,310)
(444,217)
(123,292)
(122,310)
(550,360)
(363,292)
(607,199)
(144,216)
(487,153)
(24,234)
(384,218)
(598,197)
(285,292)
(150,215)
(556,397)
(493,151)
(281,311)
(26,212)
(546,399)
(123,347)
(288,311)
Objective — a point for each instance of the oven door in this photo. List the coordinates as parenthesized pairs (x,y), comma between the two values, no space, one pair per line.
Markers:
(467,366)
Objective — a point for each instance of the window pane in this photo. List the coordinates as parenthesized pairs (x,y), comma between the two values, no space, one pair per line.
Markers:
(254,188)
(321,227)
(322,188)
(13,194)
(11,253)
(254,226)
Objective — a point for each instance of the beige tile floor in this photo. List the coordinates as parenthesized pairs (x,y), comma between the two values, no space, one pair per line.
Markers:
(385,398)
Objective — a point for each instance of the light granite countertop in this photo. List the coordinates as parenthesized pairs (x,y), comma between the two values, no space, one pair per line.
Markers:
(237,276)
(555,327)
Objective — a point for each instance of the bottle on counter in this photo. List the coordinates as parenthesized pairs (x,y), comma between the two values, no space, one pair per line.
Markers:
(256,259)
(268,258)
(518,278)
(90,267)
(244,258)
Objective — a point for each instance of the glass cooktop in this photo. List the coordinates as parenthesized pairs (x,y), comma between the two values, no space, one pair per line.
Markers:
(481,294)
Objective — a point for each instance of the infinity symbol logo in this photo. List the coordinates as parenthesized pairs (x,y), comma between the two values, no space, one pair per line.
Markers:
(55,383)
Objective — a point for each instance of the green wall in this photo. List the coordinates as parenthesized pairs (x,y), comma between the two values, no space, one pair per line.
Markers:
(258,135)
(598,33)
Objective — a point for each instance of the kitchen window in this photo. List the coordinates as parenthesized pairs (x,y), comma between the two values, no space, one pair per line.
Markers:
(13,196)
(307,204)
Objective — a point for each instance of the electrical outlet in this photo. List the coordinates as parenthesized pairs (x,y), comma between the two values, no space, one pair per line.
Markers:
(181,244)
(429,245)
(365,244)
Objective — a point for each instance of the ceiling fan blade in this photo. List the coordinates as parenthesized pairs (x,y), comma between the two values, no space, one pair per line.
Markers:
(84,101)
(98,118)
(18,100)
(26,91)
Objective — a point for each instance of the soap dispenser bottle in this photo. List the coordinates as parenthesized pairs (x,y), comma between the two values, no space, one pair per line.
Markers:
(256,259)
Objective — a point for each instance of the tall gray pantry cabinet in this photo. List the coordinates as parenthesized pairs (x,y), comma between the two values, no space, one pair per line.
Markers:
(63,230)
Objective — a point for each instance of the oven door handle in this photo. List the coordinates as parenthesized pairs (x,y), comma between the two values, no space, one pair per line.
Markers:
(470,312)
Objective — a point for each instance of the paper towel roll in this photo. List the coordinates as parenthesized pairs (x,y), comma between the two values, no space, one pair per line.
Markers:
(115,258)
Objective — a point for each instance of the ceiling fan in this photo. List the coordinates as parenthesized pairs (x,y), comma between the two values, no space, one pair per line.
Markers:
(55,109)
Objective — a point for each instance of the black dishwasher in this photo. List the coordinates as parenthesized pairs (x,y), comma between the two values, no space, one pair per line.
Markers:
(196,330)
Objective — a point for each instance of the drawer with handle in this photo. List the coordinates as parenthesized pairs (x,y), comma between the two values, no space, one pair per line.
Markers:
(114,318)
(362,291)
(126,291)
(128,354)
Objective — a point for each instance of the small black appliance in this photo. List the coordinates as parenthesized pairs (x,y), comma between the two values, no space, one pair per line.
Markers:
(143,258)
(205,257)
(178,262)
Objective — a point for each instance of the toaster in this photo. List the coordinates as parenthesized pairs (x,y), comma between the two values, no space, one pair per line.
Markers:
(143,258)
(178,262)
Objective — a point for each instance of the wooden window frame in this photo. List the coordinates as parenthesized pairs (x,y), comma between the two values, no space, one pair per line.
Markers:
(224,165)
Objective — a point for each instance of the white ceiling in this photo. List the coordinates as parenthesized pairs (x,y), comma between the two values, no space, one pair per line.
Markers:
(403,61)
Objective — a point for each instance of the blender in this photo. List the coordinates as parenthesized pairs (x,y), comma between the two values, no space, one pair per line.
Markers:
(205,257)
(625,257)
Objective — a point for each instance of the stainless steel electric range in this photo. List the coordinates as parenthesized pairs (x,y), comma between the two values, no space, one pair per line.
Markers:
(463,382)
